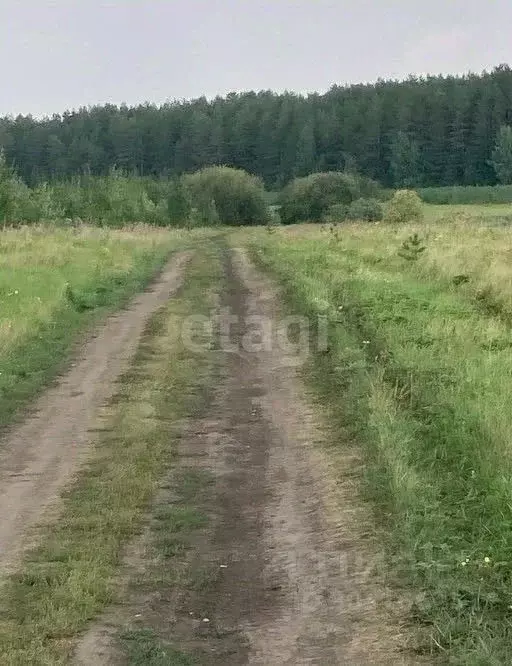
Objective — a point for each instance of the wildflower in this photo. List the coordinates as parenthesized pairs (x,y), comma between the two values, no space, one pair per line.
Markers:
(463,564)
(487,560)
(366,342)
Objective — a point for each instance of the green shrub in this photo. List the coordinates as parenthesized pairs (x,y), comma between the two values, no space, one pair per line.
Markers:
(226,195)
(368,210)
(405,206)
(14,195)
(217,195)
(114,200)
(310,198)
(336,213)
(178,207)
(274,215)
(207,214)
(68,197)
(367,188)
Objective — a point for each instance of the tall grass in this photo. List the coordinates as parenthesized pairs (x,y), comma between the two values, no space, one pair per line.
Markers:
(481,214)
(419,371)
(53,282)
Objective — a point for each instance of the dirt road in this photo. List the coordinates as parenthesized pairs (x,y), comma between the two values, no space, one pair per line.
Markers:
(288,558)
(283,570)
(39,457)
(296,588)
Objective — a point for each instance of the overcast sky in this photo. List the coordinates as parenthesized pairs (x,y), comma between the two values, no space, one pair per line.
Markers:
(59,54)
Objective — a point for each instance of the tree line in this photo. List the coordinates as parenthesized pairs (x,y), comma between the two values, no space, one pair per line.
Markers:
(422,132)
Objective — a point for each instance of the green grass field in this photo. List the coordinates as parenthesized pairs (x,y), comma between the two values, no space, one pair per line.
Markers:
(481,212)
(56,282)
(417,375)
(469,195)
(418,372)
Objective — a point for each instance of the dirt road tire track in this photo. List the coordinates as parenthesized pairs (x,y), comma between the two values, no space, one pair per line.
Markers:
(295,535)
(319,555)
(287,553)
(39,457)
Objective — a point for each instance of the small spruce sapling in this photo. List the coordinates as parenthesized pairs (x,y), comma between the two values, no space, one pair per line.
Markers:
(412,248)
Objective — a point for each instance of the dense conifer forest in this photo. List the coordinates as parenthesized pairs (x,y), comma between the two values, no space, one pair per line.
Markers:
(416,133)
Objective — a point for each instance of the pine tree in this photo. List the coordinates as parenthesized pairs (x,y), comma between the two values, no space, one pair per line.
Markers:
(405,161)
(433,131)
(502,155)
(306,150)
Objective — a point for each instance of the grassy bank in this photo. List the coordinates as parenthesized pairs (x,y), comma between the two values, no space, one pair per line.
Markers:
(53,284)
(69,578)
(418,372)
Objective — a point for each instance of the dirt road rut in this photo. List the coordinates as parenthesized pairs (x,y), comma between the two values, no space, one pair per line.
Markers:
(39,457)
(291,543)
(286,566)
